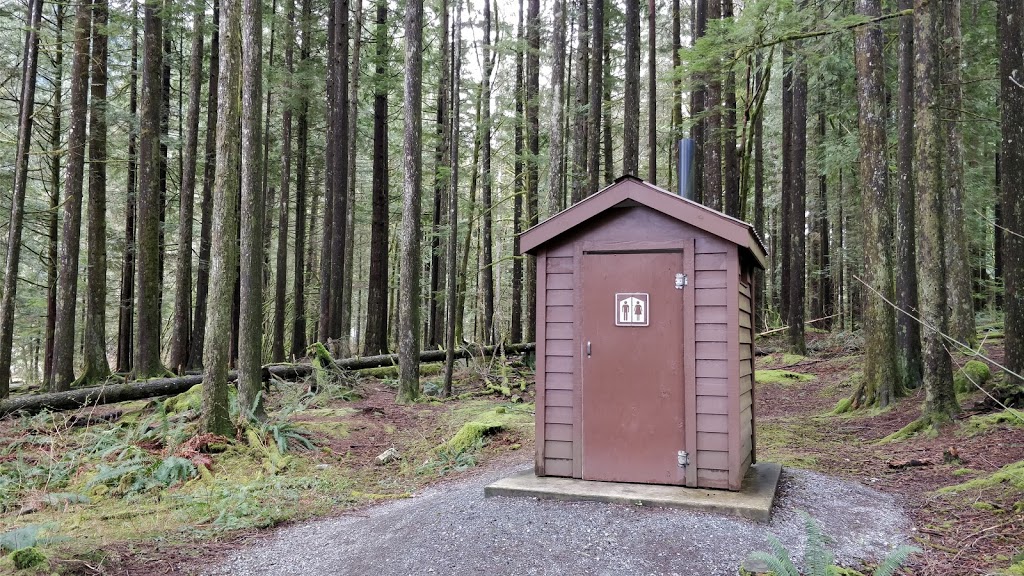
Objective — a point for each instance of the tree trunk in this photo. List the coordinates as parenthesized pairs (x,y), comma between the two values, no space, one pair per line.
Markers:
(435,309)
(281,264)
(339,200)
(224,251)
(517,183)
(532,103)
(453,198)
(940,397)
(17,222)
(182,330)
(298,344)
(250,319)
(797,239)
(67,274)
(786,183)
(350,212)
(557,150)
(409,286)
(96,367)
(55,147)
(631,89)
(713,129)
(908,333)
(760,293)
(606,111)
(881,385)
(698,96)
(376,335)
(957,254)
(197,339)
(323,322)
(146,362)
(580,183)
(1011,95)
(731,186)
(487,260)
(596,93)
(652,94)
(165,129)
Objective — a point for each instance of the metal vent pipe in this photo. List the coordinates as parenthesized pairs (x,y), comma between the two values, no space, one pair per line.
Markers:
(687,146)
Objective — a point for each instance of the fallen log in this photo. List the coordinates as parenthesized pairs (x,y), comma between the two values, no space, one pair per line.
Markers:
(142,389)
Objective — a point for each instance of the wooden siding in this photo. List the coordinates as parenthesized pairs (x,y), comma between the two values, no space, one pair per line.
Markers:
(560,360)
(711,366)
(746,383)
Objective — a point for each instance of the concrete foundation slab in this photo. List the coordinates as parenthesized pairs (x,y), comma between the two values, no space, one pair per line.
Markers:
(753,501)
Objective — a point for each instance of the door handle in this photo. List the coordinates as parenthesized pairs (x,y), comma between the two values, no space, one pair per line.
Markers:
(588,348)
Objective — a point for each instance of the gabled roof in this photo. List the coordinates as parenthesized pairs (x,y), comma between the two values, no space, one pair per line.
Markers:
(629,190)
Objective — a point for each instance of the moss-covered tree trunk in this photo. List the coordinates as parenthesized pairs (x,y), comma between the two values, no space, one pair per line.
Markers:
(1011,67)
(940,397)
(224,250)
(881,383)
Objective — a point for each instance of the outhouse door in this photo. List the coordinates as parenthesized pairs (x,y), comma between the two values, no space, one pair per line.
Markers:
(632,367)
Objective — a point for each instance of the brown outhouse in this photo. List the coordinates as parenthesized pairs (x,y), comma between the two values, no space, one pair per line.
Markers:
(645,339)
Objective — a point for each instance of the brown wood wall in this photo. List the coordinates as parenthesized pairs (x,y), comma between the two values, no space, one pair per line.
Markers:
(746,405)
(559,399)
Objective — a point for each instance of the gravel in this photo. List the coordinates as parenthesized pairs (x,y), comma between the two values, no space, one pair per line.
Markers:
(453,529)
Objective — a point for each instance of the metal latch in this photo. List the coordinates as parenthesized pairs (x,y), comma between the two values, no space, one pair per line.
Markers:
(681,280)
(684,458)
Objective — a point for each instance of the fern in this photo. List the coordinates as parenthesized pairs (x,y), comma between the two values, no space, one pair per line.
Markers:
(28,536)
(173,470)
(895,560)
(817,558)
(776,566)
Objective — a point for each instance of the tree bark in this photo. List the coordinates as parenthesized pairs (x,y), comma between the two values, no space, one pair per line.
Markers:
(453,199)
(67,274)
(197,339)
(731,186)
(713,129)
(556,148)
(96,367)
(350,205)
(580,183)
(631,89)
(55,147)
(697,98)
(487,259)
(146,361)
(215,417)
(940,397)
(339,200)
(517,183)
(652,94)
(881,385)
(281,264)
(434,335)
(17,222)
(798,204)
(908,333)
(409,286)
(182,329)
(376,335)
(760,292)
(323,321)
(596,93)
(532,103)
(1012,179)
(298,344)
(957,253)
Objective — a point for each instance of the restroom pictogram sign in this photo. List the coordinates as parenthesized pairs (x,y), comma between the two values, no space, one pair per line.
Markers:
(631,309)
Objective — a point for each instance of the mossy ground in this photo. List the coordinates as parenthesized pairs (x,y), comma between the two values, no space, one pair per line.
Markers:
(100,487)
(785,377)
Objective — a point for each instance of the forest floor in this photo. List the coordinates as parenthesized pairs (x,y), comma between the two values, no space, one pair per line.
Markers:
(130,489)
(963,488)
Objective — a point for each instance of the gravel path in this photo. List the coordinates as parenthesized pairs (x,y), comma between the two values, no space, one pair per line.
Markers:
(452,529)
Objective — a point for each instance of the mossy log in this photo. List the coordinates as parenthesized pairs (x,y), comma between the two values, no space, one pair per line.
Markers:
(138,390)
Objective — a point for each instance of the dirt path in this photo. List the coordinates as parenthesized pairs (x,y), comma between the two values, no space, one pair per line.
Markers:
(452,529)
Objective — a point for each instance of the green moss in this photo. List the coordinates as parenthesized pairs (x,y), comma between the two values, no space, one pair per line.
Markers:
(783,377)
(470,433)
(790,359)
(906,432)
(27,558)
(987,507)
(1017,569)
(843,406)
(431,369)
(1011,474)
(192,399)
(972,375)
(963,472)
(977,424)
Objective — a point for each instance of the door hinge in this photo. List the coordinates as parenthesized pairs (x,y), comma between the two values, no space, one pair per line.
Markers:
(681,280)
(683,458)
